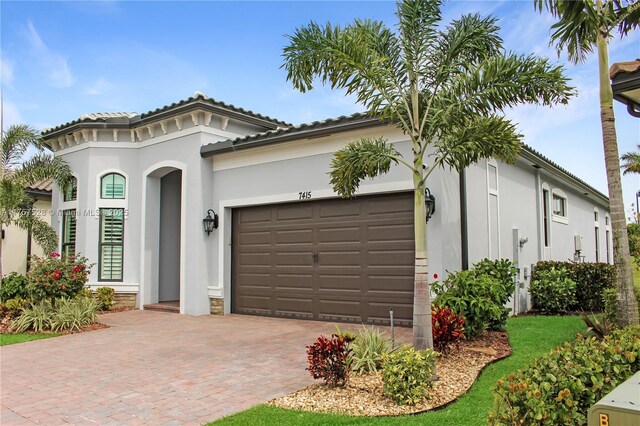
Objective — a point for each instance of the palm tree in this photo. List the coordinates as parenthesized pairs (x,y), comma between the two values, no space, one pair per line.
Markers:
(584,26)
(444,88)
(631,162)
(16,175)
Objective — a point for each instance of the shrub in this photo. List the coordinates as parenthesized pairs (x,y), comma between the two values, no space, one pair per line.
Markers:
(448,328)
(105,298)
(56,277)
(553,291)
(328,360)
(591,280)
(74,314)
(407,374)
(85,293)
(36,318)
(14,307)
(367,349)
(560,387)
(476,298)
(633,231)
(14,286)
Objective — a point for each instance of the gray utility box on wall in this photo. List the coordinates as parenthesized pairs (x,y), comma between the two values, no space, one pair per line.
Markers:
(621,407)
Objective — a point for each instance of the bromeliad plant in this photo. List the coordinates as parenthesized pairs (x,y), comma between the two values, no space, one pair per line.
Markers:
(328,360)
(444,87)
(55,277)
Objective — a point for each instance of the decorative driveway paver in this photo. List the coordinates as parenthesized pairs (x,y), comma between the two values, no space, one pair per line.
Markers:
(155,368)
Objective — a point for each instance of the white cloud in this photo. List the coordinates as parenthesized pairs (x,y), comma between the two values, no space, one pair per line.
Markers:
(100,86)
(6,72)
(53,64)
(10,114)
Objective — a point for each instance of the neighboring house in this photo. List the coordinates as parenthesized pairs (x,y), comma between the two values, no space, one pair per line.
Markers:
(17,243)
(286,245)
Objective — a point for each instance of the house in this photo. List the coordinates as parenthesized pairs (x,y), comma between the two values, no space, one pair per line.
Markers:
(17,243)
(284,244)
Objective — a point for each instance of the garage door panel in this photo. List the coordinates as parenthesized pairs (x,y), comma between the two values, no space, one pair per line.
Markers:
(343,234)
(303,236)
(294,212)
(334,260)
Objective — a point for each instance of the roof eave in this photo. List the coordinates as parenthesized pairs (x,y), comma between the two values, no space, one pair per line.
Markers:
(228,146)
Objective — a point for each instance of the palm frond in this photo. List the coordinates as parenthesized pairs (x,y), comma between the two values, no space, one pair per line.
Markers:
(361,159)
(476,137)
(43,166)
(41,231)
(15,142)
(418,27)
(631,162)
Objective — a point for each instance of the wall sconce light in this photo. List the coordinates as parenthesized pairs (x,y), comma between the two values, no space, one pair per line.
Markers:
(430,203)
(523,241)
(210,223)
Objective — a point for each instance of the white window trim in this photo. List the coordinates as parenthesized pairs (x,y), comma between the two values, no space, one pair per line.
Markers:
(496,193)
(105,203)
(545,187)
(555,217)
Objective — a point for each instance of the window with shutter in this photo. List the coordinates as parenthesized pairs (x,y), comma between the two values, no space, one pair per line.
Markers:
(69,218)
(71,190)
(113,186)
(111,244)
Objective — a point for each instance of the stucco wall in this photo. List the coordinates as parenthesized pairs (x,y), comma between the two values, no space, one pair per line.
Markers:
(14,246)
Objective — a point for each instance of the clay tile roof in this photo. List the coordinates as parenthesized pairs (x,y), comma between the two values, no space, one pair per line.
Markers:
(45,185)
(627,67)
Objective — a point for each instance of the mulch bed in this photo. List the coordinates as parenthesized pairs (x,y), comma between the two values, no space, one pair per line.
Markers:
(363,395)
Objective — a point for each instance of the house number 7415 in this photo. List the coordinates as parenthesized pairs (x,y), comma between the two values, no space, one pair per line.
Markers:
(304,195)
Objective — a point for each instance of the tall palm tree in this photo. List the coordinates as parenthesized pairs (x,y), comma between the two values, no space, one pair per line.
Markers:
(584,26)
(445,88)
(631,162)
(16,175)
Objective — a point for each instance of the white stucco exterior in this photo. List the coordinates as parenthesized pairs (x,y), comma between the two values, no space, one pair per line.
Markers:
(503,202)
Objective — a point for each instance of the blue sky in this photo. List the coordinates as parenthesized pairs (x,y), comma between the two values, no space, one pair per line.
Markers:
(63,59)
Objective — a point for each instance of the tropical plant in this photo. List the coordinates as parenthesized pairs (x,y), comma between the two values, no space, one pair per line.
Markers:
(367,349)
(553,291)
(631,162)
(16,174)
(407,374)
(14,285)
(328,360)
(74,314)
(582,27)
(55,277)
(448,329)
(444,87)
(36,318)
(105,297)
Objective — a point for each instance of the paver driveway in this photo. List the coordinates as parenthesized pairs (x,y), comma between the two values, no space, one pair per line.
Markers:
(155,368)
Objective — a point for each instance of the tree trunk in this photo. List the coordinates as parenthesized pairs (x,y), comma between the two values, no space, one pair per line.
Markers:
(422,332)
(627,302)
(1,242)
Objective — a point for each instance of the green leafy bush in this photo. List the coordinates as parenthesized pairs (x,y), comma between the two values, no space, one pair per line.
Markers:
(14,307)
(553,291)
(14,286)
(633,231)
(559,388)
(55,277)
(86,293)
(407,374)
(367,349)
(591,280)
(35,318)
(504,271)
(105,297)
(476,298)
(74,314)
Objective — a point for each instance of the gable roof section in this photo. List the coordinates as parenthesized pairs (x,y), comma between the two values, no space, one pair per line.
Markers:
(359,121)
(132,119)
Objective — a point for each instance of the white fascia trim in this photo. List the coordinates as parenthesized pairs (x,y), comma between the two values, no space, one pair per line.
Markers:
(118,287)
(560,219)
(154,141)
(297,149)
(318,194)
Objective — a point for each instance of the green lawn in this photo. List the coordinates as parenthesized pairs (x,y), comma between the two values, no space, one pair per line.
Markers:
(530,337)
(10,339)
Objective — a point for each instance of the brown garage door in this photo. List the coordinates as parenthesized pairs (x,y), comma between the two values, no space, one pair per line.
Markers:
(334,260)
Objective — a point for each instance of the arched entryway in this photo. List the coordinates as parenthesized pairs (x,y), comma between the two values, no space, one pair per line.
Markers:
(162,242)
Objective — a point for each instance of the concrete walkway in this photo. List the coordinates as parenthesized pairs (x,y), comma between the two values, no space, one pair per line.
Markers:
(155,368)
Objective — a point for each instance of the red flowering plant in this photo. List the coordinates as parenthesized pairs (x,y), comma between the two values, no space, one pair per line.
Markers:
(56,276)
(327,359)
(448,328)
